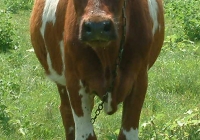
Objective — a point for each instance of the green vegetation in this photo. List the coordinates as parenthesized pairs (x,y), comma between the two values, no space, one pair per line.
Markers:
(6,31)
(186,16)
(29,102)
(17,5)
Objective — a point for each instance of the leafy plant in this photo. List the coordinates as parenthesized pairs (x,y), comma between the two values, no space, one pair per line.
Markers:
(191,19)
(6,31)
(5,115)
(184,127)
(186,16)
(16,5)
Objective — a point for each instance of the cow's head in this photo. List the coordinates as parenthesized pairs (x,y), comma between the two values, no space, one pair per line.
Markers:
(100,25)
(99,21)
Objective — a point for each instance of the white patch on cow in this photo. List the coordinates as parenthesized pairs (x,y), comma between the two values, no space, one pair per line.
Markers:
(62,53)
(83,125)
(49,15)
(97,3)
(71,129)
(62,91)
(131,135)
(53,74)
(160,27)
(153,10)
(147,67)
(107,106)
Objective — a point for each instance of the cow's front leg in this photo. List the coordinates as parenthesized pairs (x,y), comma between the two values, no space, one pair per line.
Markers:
(132,108)
(66,113)
(81,105)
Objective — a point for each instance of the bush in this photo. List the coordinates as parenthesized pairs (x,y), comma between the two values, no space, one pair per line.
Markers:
(5,115)
(185,15)
(6,31)
(192,19)
(9,91)
(186,127)
(16,5)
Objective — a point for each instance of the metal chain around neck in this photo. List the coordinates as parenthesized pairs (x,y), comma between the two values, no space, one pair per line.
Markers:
(118,61)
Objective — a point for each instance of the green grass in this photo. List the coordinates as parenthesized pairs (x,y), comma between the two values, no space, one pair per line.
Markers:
(29,101)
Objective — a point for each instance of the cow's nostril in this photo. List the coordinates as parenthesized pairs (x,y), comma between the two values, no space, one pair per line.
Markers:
(107,26)
(88,27)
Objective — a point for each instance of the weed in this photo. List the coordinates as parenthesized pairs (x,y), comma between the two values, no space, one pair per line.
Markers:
(186,16)
(15,6)
(184,127)
(6,31)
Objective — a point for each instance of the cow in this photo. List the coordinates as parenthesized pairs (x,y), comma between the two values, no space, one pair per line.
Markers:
(100,48)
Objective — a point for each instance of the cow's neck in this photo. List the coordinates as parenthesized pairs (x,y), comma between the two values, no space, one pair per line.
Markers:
(107,57)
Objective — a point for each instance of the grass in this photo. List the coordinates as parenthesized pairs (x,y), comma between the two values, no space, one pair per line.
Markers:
(29,102)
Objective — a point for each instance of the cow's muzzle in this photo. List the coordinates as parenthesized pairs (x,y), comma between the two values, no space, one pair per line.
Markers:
(97,31)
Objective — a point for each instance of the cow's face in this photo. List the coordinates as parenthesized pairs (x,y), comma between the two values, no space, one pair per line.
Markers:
(99,21)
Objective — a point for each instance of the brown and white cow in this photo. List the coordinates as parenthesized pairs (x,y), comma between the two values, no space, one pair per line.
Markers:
(78,43)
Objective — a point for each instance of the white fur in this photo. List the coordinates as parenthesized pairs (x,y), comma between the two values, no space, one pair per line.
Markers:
(62,53)
(107,106)
(71,129)
(53,74)
(131,135)
(83,125)
(62,91)
(97,3)
(49,16)
(153,10)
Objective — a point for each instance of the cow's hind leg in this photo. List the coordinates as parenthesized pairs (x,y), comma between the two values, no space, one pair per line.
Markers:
(132,108)
(66,113)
